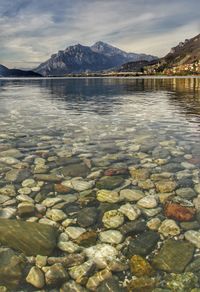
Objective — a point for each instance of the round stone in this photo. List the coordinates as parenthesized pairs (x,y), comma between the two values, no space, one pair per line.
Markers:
(131,195)
(148,202)
(113,219)
(132,212)
(74,232)
(56,215)
(169,228)
(193,237)
(107,196)
(111,236)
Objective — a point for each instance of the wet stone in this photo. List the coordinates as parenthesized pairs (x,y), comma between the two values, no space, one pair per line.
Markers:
(35,277)
(87,216)
(111,236)
(56,275)
(193,225)
(145,284)
(181,282)
(165,186)
(174,256)
(108,196)
(17,175)
(113,219)
(140,266)
(193,237)
(109,182)
(87,239)
(75,170)
(179,212)
(169,228)
(132,212)
(29,238)
(143,244)
(72,286)
(95,280)
(131,195)
(11,268)
(139,173)
(133,227)
(186,193)
(110,285)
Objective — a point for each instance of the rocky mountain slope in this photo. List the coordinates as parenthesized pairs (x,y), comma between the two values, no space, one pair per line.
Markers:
(186,52)
(5,72)
(184,58)
(78,58)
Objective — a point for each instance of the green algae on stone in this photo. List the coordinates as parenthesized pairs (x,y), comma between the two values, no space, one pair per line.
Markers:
(28,237)
(181,282)
(174,256)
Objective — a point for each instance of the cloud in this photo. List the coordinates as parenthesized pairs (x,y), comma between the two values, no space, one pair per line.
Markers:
(32,30)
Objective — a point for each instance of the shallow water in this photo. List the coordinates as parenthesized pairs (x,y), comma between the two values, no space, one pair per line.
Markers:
(81,133)
(95,112)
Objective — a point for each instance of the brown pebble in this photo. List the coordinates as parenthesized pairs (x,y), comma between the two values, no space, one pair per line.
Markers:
(178,212)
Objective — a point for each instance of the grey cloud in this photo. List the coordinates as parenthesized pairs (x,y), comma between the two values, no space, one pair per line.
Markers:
(31,30)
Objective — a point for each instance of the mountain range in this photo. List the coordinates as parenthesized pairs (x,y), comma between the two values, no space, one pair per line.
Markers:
(5,72)
(79,58)
(102,57)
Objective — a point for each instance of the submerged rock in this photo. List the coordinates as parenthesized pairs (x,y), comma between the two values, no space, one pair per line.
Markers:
(174,256)
(11,268)
(181,282)
(178,212)
(35,277)
(109,182)
(140,266)
(27,237)
(143,244)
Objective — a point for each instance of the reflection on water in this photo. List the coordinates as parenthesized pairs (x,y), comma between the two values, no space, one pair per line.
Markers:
(91,109)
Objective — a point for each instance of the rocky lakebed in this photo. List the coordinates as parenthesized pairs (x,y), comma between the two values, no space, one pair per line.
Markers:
(73,223)
(100,186)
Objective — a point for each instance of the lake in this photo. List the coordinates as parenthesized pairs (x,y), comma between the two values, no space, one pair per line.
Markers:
(114,165)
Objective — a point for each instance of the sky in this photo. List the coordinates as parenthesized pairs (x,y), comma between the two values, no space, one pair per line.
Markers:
(32,30)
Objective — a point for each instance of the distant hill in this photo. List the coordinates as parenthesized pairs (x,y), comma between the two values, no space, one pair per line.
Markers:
(79,58)
(184,58)
(186,52)
(137,66)
(5,72)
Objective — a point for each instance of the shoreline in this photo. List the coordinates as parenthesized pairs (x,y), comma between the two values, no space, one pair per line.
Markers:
(104,77)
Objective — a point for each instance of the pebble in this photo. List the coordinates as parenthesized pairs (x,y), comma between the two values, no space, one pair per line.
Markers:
(165,186)
(50,202)
(154,223)
(147,202)
(95,280)
(111,236)
(131,195)
(74,232)
(140,266)
(56,275)
(193,237)
(108,196)
(132,212)
(56,215)
(101,254)
(169,228)
(179,212)
(36,278)
(113,219)
(83,270)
